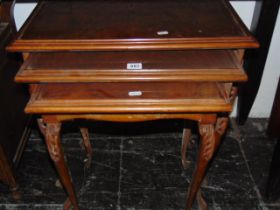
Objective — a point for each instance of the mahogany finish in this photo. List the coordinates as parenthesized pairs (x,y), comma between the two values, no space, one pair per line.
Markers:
(114,98)
(128,25)
(191,52)
(191,65)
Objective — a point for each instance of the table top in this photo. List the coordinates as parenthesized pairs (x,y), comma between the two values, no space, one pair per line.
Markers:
(187,65)
(155,97)
(132,25)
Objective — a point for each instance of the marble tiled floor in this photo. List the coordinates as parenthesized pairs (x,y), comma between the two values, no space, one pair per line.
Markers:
(137,167)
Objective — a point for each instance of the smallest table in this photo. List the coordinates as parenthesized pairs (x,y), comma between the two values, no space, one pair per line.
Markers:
(132,102)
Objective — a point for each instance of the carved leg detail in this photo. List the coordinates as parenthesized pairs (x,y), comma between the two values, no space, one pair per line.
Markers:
(206,151)
(52,137)
(210,140)
(87,146)
(186,138)
(221,126)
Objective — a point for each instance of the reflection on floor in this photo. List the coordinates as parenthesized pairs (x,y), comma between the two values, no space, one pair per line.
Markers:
(137,166)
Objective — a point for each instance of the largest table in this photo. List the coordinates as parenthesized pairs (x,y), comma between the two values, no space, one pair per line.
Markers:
(133,60)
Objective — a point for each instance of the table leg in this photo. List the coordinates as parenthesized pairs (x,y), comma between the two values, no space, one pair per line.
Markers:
(206,150)
(220,129)
(87,145)
(210,140)
(52,137)
(186,138)
(7,175)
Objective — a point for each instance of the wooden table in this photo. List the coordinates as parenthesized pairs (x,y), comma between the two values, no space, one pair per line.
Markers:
(14,129)
(128,61)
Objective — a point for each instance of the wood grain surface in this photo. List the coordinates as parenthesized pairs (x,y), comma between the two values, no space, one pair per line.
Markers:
(131,25)
(189,65)
(127,98)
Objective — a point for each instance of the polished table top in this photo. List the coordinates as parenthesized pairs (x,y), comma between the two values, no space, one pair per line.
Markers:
(183,66)
(125,98)
(132,24)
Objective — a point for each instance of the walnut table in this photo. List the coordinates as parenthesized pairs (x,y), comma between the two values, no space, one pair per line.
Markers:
(128,61)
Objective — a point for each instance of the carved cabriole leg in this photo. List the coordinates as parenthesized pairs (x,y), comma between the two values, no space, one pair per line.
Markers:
(220,129)
(51,131)
(87,145)
(186,138)
(210,140)
(206,151)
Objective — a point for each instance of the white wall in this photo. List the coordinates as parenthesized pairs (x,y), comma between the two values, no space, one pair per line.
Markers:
(22,11)
(264,101)
(245,9)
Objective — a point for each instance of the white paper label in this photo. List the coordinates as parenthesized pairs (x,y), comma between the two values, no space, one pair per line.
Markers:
(162,33)
(134,66)
(135,93)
